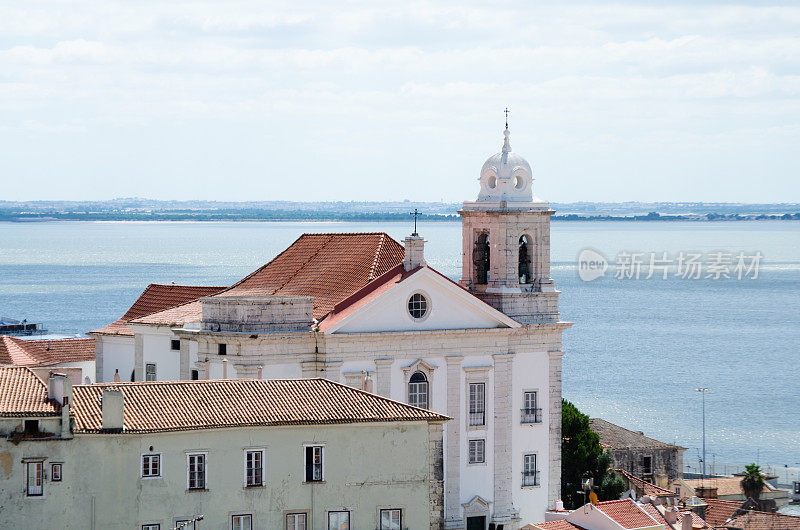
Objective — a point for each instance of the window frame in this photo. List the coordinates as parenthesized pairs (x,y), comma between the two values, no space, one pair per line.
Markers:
(482,404)
(151,526)
(222,348)
(172,344)
(526,472)
(38,477)
(380,518)
(290,513)
(530,413)
(427,392)
(189,456)
(260,469)
(141,466)
(331,512)
(647,464)
(53,474)
(249,517)
(306,466)
(147,371)
(425,301)
(478,443)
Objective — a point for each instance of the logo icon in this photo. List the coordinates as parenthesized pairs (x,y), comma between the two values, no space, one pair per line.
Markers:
(591,265)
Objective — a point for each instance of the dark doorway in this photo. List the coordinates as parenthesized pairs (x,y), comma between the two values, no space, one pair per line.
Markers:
(476,523)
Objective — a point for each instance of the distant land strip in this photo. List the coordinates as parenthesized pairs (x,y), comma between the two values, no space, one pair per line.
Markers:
(137,209)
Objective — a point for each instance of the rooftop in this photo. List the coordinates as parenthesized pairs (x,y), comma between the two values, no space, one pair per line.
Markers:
(724,485)
(22,352)
(191,405)
(646,487)
(156,297)
(553,525)
(615,437)
(24,394)
(752,520)
(626,513)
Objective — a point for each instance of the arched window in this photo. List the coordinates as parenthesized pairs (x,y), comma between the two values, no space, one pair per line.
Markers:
(480,259)
(418,390)
(525,250)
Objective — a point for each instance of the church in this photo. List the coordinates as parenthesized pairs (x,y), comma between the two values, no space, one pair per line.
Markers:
(364,310)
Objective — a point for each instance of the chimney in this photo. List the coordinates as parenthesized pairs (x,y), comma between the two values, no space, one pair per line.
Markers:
(415,252)
(116,375)
(224,368)
(59,388)
(207,369)
(686,522)
(113,404)
(671,516)
(706,492)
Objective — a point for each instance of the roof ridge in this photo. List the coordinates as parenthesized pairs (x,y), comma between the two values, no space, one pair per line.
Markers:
(375,258)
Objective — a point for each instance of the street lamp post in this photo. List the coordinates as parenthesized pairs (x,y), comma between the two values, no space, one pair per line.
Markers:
(703,393)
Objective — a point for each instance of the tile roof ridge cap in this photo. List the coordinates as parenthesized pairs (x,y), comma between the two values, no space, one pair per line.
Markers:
(378,251)
(382,398)
(371,286)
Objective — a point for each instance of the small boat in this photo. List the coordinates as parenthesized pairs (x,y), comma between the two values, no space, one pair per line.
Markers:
(9,326)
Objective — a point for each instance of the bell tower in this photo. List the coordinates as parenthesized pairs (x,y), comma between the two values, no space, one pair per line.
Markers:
(506,241)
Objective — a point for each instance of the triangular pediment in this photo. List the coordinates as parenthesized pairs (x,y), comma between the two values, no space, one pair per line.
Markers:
(476,505)
(386,309)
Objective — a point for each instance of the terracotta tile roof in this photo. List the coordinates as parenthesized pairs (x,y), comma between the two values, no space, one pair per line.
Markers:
(329,267)
(724,485)
(24,394)
(189,405)
(156,297)
(753,520)
(652,511)
(626,513)
(616,437)
(174,316)
(553,525)
(646,487)
(719,511)
(22,352)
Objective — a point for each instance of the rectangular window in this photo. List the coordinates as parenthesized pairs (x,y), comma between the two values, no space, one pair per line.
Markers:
(531,413)
(477,451)
(151,527)
(151,466)
(31,426)
(338,520)
(295,521)
(55,472)
(175,344)
(242,522)
(254,468)
(222,349)
(647,465)
(477,404)
(150,372)
(35,484)
(314,463)
(530,475)
(391,519)
(195,375)
(197,471)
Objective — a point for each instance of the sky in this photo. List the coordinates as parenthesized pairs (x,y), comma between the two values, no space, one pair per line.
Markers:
(374,100)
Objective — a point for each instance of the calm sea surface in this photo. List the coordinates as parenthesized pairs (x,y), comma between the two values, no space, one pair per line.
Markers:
(635,355)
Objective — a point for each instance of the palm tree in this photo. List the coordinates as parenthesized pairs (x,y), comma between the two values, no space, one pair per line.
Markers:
(752,481)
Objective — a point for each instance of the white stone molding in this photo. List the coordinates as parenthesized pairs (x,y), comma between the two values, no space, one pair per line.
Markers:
(554,426)
(383,376)
(452,465)
(476,507)
(138,357)
(504,511)
(183,361)
(476,374)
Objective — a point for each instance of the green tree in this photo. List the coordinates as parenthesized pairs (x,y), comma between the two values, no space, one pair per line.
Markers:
(753,481)
(583,457)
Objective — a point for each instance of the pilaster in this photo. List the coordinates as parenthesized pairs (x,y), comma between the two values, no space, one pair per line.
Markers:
(452,482)
(383,376)
(554,426)
(504,511)
(185,370)
(332,370)
(436,474)
(138,357)
(98,360)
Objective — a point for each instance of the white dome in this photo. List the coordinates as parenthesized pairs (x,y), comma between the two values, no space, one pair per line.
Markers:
(506,176)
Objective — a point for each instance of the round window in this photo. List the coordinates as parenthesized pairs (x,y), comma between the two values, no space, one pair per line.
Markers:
(417,305)
(519,182)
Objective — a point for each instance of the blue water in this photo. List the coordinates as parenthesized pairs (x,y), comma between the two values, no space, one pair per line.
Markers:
(635,355)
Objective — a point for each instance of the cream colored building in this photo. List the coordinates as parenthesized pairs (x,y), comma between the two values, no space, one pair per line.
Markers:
(364,310)
(294,454)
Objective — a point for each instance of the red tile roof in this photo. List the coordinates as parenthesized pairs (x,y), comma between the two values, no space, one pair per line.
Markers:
(328,267)
(652,511)
(190,405)
(157,297)
(719,511)
(615,437)
(22,352)
(553,525)
(174,316)
(646,487)
(24,394)
(724,485)
(753,520)
(626,513)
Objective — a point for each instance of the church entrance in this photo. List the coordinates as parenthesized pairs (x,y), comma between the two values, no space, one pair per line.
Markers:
(476,523)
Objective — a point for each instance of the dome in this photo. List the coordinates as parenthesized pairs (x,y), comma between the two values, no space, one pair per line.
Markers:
(506,176)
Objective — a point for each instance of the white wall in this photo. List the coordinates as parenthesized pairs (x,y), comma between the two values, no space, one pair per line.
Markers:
(118,354)
(157,348)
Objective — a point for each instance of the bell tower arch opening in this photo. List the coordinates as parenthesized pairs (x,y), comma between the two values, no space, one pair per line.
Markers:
(525,259)
(481,259)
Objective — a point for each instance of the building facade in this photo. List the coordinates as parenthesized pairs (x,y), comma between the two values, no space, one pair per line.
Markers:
(244,455)
(365,311)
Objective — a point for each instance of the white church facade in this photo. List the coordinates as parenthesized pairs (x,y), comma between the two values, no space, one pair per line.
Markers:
(364,310)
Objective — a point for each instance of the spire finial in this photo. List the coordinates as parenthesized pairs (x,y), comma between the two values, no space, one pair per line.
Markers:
(506,113)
